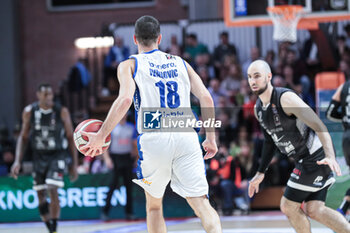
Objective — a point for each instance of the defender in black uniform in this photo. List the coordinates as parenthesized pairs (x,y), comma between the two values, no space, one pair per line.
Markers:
(292,127)
(51,132)
(339,111)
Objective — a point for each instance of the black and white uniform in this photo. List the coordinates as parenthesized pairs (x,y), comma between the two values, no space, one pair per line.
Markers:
(49,144)
(345,109)
(342,116)
(295,139)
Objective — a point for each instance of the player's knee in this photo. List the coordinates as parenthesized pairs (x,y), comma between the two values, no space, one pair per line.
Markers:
(287,209)
(313,211)
(284,208)
(44,208)
(151,207)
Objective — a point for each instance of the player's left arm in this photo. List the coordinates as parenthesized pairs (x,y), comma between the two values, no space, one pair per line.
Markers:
(117,111)
(332,112)
(292,104)
(68,127)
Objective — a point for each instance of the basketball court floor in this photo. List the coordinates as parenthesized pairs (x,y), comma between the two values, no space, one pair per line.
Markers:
(256,222)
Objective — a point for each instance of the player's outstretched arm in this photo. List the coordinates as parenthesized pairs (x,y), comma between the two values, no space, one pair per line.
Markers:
(68,128)
(207,109)
(266,157)
(292,104)
(332,112)
(117,111)
(254,183)
(21,141)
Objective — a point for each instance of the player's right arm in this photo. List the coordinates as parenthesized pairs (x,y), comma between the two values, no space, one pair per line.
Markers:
(22,141)
(207,109)
(119,108)
(266,157)
(332,112)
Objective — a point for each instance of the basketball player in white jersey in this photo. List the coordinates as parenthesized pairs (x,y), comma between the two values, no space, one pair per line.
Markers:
(157,79)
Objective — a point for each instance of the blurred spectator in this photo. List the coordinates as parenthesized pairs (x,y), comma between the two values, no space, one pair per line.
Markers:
(283,48)
(278,81)
(270,59)
(120,158)
(175,48)
(79,76)
(298,65)
(311,56)
(78,80)
(341,48)
(8,157)
(7,150)
(227,130)
(214,90)
(193,48)
(347,31)
(345,67)
(254,55)
(232,82)
(98,166)
(204,60)
(224,48)
(117,53)
(203,73)
(288,74)
(230,180)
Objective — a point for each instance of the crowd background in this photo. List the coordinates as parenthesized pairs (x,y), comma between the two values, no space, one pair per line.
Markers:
(225,75)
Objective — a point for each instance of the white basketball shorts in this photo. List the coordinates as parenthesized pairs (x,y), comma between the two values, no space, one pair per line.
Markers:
(175,157)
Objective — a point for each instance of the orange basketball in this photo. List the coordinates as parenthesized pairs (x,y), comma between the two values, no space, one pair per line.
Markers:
(90,125)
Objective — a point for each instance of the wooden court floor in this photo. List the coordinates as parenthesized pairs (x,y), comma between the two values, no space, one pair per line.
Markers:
(256,222)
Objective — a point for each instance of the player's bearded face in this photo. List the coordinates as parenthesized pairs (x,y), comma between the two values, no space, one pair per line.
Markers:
(259,85)
(261,89)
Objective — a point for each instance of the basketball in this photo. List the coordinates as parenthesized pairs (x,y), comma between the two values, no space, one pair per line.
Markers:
(90,125)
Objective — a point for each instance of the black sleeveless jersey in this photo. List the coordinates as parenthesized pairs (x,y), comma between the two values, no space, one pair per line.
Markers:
(345,104)
(47,130)
(290,135)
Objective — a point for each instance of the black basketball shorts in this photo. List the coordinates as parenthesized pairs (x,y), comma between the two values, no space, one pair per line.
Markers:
(48,171)
(309,181)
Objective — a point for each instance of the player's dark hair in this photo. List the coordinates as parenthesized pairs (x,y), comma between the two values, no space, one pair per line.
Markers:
(147,30)
(45,85)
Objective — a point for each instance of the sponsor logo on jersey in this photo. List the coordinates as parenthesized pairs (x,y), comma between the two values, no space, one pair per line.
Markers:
(169,56)
(146,182)
(318,180)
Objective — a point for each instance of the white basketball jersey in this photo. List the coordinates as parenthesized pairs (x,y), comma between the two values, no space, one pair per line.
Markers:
(161,82)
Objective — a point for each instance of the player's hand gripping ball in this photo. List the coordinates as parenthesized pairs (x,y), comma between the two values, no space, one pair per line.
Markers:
(90,125)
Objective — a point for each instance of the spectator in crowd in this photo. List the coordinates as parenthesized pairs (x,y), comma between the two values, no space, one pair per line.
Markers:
(347,32)
(193,48)
(7,151)
(230,179)
(214,90)
(341,48)
(117,53)
(224,48)
(79,78)
(227,130)
(120,158)
(232,82)
(311,56)
(254,55)
(175,48)
(270,58)
(6,161)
